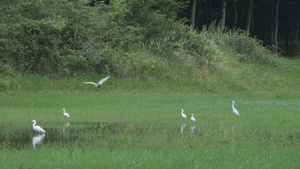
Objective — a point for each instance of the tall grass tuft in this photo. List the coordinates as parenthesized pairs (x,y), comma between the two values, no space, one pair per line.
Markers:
(241,46)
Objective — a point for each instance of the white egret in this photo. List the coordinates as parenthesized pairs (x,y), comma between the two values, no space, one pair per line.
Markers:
(37,139)
(65,113)
(193,118)
(99,83)
(183,115)
(37,128)
(234,110)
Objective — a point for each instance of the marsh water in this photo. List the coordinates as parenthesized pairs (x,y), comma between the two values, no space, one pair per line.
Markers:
(84,133)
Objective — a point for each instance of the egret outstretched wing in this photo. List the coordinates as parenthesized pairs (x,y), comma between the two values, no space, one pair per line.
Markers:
(90,83)
(103,80)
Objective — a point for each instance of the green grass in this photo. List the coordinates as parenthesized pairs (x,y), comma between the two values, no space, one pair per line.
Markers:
(185,157)
(266,135)
(136,124)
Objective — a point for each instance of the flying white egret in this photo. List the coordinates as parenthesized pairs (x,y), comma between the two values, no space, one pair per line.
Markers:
(183,115)
(234,110)
(37,139)
(65,113)
(99,83)
(37,128)
(193,118)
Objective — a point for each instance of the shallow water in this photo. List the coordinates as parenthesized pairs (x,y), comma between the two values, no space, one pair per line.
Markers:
(84,133)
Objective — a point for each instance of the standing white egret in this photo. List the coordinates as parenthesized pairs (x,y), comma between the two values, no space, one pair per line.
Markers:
(99,83)
(234,110)
(193,118)
(183,115)
(37,128)
(65,113)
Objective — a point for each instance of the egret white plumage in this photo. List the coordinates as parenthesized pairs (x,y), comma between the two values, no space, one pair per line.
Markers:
(37,128)
(193,118)
(99,83)
(234,110)
(183,115)
(65,113)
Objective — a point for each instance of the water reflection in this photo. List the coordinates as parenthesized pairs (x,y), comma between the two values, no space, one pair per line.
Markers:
(37,139)
(181,129)
(233,128)
(80,133)
(66,126)
(192,129)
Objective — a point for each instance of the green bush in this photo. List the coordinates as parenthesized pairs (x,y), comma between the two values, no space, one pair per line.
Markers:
(243,47)
(6,69)
(4,85)
(130,39)
(249,49)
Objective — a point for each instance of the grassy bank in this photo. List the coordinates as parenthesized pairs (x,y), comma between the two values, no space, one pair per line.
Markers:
(232,77)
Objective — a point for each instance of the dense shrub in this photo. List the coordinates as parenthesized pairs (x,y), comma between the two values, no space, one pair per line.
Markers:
(245,48)
(131,39)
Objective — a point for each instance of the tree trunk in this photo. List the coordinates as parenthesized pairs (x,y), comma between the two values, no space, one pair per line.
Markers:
(235,15)
(272,23)
(223,14)
(289,27)
(297,30)
(193,15)
(207,12)
(249,16)
(276,25)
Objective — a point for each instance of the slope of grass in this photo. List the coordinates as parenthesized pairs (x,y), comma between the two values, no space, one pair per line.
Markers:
(228,77)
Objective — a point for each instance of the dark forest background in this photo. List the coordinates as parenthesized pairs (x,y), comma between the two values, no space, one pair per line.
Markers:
(263,19)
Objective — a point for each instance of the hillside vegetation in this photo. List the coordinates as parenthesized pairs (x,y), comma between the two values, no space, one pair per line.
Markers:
(141,43)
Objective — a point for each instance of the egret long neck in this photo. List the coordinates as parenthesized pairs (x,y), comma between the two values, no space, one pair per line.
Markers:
(33,124)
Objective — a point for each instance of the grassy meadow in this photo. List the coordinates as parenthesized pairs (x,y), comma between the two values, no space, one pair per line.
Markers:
(158,66)
(135,124)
